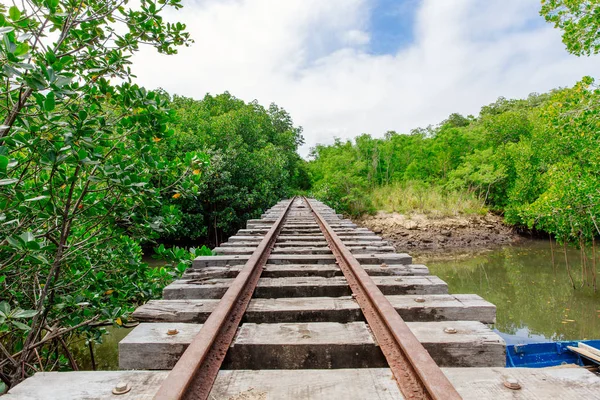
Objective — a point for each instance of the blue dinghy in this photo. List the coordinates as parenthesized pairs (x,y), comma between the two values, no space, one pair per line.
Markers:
(540,355)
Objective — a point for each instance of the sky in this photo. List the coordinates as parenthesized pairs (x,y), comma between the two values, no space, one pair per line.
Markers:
(346,67)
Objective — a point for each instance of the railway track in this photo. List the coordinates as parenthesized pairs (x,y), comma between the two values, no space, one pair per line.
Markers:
(304,290)
(305,305)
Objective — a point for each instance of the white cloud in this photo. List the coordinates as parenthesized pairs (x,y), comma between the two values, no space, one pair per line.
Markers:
(310,57)
(356,37)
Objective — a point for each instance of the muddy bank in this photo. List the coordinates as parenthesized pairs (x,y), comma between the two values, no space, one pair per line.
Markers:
(420,234)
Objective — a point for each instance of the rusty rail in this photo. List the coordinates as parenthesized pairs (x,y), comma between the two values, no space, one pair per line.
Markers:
(416,374)
(195,372)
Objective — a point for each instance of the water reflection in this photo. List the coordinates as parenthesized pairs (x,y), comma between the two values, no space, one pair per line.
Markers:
(106,354)
(535,299)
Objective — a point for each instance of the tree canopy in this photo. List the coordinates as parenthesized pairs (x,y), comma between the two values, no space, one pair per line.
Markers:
(533,160)
(253,163)
(580,22)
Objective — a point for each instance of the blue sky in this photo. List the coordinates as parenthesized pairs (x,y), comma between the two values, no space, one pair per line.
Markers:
(391,24)
(346,67)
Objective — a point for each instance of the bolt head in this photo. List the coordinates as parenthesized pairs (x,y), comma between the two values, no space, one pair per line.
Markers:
(450,330)
(384,265)
(121,388)
(172,331)
(420,300)
(512,384)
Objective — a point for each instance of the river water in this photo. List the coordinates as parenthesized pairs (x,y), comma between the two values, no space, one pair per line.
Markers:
(535,300)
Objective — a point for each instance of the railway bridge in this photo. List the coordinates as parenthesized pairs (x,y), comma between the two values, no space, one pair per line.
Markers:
(303,304)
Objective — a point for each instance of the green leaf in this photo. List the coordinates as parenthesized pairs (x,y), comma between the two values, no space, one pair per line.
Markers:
(38,198)
(33,245)
(11,71)
(50,57)
(50,102)
(14,13)
(9,42)
(22,48)
(3,163)
(36,82)
(14,242)
(41,258)
(6,29)
(25,314)
(20,325)
(27,237)
(4,182)
(62,81)
(4,308)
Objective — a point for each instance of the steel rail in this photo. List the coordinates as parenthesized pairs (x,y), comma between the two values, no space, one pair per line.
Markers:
(417,375)
(195,372)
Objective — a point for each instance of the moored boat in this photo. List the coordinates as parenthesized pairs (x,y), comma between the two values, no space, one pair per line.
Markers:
(540,355)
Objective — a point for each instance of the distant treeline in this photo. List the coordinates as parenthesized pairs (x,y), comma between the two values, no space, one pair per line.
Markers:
(536,161)
(252,163)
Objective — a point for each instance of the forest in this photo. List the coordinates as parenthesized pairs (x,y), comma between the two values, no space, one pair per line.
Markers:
(97,173)
(535,161)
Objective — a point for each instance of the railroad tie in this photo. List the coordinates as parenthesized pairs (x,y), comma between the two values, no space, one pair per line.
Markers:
(303,304)
(305,317)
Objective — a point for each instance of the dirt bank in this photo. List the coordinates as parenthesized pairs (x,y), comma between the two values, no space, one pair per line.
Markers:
(418,233)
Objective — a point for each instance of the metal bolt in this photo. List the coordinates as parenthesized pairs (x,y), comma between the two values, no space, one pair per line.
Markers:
(512,384)
(172,332)
(384,265)
(420,300)
(450,330)
(121,388)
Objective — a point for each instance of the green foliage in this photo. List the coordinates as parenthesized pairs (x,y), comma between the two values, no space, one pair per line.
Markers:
(253,163)
(344,173)
(178,258)
(568,141)
(507,127)
(79,158)
(535,160)
(340,177)
(10,318)
(481,172)
(580,22)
